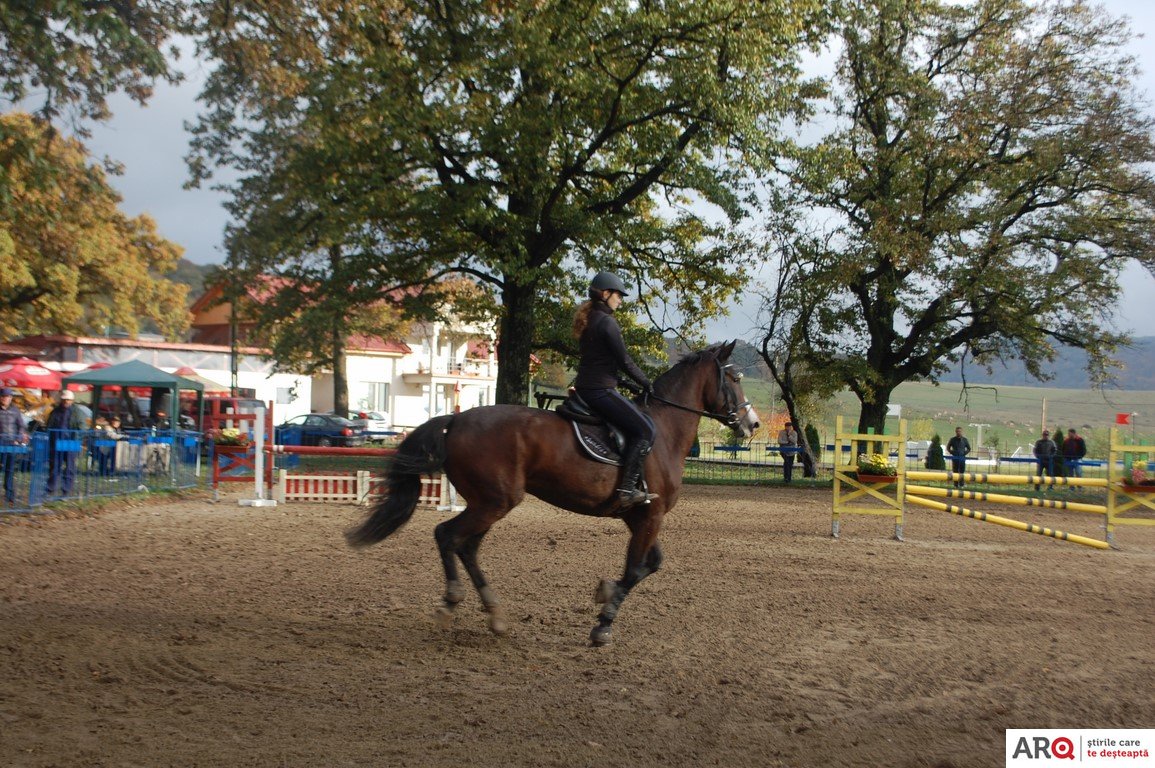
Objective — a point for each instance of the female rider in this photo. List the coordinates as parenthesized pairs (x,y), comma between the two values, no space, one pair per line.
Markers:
(603,354)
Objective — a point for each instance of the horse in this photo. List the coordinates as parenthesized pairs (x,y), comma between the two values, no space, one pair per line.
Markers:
(494,455)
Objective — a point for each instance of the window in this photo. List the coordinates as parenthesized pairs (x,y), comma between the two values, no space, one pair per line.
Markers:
(378,396)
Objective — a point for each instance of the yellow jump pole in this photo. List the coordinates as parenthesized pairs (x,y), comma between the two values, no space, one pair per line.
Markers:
(975,477)
(1018,524)
(1000,498)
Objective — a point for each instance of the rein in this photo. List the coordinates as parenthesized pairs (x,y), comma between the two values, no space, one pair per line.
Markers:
(730,418)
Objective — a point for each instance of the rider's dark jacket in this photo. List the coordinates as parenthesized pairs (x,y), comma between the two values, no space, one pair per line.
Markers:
(603,353)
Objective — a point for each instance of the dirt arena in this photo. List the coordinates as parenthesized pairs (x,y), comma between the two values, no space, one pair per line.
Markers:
(208,634)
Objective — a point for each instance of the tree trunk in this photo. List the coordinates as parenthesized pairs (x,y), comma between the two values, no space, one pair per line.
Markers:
(340,372)
(806,455)
(515,342)
(873,413)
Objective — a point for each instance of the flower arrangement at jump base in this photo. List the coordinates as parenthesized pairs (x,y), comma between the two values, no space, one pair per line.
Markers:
(228,436)
(1139,475)
(875,465)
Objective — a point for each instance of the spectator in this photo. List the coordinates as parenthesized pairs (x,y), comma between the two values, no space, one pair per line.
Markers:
(1058,465)
(958,447)
(64,422)
(106,454)
(1045,450)
(788,447)
(934,455)
(1074,449)
(12,434)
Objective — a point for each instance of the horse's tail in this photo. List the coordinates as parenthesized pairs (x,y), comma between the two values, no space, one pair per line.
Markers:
(422,452)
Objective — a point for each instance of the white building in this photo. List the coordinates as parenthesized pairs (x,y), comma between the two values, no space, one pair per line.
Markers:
(436,368)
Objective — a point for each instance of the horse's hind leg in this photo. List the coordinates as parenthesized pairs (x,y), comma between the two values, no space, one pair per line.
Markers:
(468,554)
(460,537)
(454,592)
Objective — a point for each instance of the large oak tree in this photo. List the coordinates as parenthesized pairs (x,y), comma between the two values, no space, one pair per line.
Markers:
(985,174)
(526,143)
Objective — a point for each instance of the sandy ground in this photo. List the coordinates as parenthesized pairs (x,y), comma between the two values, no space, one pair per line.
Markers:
(208,634)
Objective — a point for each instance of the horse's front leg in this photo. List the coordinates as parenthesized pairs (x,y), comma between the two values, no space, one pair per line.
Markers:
(643,557)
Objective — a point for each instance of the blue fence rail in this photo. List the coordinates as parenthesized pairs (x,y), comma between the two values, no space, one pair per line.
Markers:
(60,465)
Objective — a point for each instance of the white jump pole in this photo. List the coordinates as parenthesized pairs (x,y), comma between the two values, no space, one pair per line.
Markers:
(259,464)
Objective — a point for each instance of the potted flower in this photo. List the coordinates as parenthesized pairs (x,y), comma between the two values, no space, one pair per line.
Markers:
(228,440)
(875,468)
(1138,481)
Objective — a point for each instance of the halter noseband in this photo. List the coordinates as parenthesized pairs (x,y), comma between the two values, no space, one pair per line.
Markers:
(733,408)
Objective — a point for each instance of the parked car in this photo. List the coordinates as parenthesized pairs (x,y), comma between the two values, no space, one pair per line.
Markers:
(375,423)
(323,429)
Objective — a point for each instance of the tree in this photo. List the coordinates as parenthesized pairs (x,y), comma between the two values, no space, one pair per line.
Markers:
(787,313)
(987,175)
(72,55)
(71,261)
(524,143)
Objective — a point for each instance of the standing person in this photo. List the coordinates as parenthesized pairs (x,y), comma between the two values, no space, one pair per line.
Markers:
(603,354)
(1045,450)
(64,422)
(788,447)
(106,454)
(12,434)
(958,447)
(1074,449)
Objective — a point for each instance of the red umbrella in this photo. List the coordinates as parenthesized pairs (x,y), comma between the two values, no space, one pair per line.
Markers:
(188,372)
(27,373)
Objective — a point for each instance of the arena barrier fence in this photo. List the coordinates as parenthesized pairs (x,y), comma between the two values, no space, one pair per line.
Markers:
(1123,498)
(357,487)
(72,465)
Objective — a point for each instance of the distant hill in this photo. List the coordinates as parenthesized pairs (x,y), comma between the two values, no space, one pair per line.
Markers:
(192,275)
(1069,369)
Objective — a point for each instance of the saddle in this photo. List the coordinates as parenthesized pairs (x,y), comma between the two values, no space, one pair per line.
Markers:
(601,440)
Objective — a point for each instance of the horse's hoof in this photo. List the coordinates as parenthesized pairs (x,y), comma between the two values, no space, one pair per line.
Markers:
(443,618)
(605,591)
(497,623)
(454,592)
(601,636)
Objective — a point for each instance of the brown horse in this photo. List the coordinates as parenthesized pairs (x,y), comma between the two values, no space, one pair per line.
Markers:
(494,455)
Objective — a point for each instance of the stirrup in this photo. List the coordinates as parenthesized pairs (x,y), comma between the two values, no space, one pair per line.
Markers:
(631,497)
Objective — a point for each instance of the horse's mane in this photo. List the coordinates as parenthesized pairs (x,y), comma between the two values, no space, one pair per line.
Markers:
(688,361)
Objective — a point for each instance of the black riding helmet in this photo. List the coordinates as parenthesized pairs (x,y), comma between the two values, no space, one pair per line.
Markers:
(607,281)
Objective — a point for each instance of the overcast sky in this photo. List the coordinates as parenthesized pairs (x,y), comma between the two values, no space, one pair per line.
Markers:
(151,144)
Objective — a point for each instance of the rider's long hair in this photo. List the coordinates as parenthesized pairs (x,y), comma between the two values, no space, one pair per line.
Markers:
(581,318)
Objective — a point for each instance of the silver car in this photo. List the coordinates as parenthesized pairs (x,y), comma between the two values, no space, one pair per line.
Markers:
(375,423)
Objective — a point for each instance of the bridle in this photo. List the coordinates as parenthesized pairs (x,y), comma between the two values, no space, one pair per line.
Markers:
(733,409)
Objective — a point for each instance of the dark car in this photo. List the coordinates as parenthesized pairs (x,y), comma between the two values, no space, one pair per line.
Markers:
(323,429)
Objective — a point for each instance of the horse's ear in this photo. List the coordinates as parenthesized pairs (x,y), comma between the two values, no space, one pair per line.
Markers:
(727,350)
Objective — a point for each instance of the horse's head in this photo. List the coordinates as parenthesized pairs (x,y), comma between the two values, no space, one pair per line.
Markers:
(736,412)
(720,385)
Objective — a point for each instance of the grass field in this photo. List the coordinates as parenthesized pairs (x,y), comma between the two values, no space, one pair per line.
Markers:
(1012,416)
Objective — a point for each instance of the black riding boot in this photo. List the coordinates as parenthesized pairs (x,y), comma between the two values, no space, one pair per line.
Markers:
(630,494)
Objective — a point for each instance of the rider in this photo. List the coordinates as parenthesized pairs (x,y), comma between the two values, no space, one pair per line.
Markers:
(603,354)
